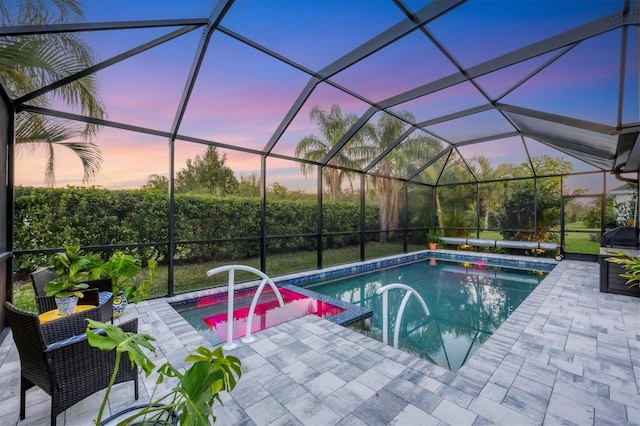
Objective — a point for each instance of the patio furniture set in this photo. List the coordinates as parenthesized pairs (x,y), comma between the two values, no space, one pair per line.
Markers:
(54,352)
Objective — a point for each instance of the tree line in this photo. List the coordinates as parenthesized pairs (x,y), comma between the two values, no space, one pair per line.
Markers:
(527,209)
(521,209)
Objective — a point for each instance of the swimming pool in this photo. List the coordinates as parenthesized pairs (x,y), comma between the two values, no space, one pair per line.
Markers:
(469,295)
(467,302)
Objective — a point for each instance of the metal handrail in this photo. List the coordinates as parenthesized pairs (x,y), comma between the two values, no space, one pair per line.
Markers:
(248,338)
(385,310)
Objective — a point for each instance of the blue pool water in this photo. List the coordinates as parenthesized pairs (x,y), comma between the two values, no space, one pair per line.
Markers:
(467,302)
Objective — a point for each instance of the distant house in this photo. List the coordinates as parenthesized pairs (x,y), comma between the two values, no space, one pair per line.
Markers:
(622,194)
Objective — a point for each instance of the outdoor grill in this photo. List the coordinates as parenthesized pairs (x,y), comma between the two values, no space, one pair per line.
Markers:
(623,236)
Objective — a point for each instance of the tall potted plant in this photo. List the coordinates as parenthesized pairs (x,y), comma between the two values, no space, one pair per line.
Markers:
(72,268)
(130,284)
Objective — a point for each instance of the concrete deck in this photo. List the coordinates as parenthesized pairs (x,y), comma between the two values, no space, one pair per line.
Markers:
(568,355)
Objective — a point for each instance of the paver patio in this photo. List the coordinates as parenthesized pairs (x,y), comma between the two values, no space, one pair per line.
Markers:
(568,355)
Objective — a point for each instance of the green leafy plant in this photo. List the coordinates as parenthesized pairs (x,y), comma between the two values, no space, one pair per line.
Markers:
(125,271)
(631,265)
(72,268)
(196,390)
(433,236)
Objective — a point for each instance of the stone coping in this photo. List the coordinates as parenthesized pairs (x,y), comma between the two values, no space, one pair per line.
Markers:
(353,313)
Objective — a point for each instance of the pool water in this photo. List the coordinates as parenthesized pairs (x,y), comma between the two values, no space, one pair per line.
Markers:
(467,303)
(209,315)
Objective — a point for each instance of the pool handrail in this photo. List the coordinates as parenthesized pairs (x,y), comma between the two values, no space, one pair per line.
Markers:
(384,290)
(248,338)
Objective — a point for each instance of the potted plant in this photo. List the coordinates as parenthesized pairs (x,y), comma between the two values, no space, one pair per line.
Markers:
(433,237)
(76,270)
(72,268)
(130,284)
(190,400)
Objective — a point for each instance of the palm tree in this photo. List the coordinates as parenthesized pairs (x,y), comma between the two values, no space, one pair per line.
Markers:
(423,199)
(29,62)
(333,125)
(386,132)
(457,203)
(483,171)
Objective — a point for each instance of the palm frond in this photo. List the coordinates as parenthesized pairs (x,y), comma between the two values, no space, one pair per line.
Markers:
(25,12)
(89,154)
(34,130)
(30,62)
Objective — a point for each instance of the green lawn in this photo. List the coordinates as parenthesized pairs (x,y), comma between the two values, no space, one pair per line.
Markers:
(189,277)
(583,240)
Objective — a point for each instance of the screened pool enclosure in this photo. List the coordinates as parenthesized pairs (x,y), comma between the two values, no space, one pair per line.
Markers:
(298,135)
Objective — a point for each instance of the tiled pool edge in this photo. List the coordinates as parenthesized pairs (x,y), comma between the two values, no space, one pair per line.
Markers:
(385,262)
(350,314)
(353,313)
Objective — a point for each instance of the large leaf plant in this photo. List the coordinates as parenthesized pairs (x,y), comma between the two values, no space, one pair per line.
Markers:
(125,271)
(196,390)
(72,268)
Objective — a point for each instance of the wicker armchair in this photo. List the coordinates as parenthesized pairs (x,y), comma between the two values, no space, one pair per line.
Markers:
(40,278)
(57,358)
(46,303)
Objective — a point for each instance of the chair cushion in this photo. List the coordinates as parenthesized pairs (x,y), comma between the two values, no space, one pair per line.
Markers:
(67,341)
(72,339)
(104,296)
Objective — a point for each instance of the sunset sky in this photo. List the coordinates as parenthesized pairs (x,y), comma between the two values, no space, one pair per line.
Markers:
(242,95)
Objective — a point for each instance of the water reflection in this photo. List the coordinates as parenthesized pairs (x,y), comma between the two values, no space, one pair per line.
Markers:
(467,302)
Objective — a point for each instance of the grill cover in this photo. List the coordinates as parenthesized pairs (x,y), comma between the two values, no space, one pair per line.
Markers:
(623,236)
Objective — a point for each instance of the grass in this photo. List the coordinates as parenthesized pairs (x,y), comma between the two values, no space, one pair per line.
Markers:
(583,240)
(189,277)
(24,297)
(586,240)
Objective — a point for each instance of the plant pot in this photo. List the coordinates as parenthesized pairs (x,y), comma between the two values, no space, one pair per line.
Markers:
(119,303)
(433,246)
(67,305)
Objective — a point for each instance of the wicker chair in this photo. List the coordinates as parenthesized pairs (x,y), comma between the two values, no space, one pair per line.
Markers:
(46,303)
(40,278)
(57,358)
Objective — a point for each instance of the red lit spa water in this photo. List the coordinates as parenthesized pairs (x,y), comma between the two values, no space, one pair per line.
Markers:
(268,313)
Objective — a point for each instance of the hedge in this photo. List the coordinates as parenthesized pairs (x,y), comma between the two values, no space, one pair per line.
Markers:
(50,217)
